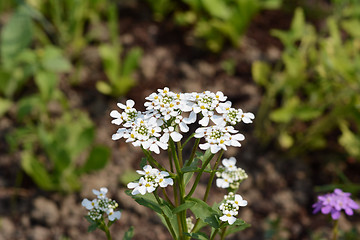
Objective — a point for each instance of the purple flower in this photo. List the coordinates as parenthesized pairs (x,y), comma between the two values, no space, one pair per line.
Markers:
(334,202)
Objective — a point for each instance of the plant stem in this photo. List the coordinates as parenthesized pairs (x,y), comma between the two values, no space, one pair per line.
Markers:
(187,140)
(335,230)
(222,237)
(197,141)
(199,176)
(172,232)
(212,175)
(151,160)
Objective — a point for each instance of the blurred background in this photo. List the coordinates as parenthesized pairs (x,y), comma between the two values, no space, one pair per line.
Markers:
(64,64)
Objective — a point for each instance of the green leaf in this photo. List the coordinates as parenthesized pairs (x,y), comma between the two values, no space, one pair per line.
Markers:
(286,113)
(203,211)
(131,61)
(53,60)
(15,36)
(128,176)
(260,72)
(198,235)
(85,139)
(237,226)
(298,23)
(27,105)
(36,170)
(129,233)
(103,87)
(46,82)
(187,177)
(349,140)
(193,166)
(217,8)
(97,159)
(5,105)
(147,200)
(183,207)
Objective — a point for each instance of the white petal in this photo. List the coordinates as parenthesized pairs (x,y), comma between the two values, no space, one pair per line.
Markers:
(154,148)
(130,103)
(176,136)
(204,121)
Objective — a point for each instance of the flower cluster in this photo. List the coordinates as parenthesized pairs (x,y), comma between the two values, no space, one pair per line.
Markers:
(101,205)
(230,207)
(151,179)
(230,176)
(168,113)
(334,202)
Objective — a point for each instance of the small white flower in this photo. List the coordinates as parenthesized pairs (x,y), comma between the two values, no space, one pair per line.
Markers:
(148,170)
(239,201)
(113,215)
(223,182)
(228,218)
(163,181)
(229,164)
(100,194)
(141,187)
(170,132)
(89,204)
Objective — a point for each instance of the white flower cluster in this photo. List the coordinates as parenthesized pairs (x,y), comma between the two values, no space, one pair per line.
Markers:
(101,205)
(229,175)
(230,207)
(167,113)
(152,178)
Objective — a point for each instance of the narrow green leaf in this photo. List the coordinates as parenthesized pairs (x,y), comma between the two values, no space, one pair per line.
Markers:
(131,61)
(198,235)
(147,200)
(193,166)
(46,82)
(183,207)
(53,60)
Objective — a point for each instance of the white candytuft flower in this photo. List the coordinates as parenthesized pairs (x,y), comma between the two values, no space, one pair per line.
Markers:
(230,207)
(218,137)
(169,113)
(229,176)
(151,179)
(101,205)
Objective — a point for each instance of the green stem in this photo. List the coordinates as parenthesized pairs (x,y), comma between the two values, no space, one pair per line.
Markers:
(199,176)
(187,140)
(223,233)
(197,141)
(212,175)
(167,197)
(151,160)
(172,232)
(335,230)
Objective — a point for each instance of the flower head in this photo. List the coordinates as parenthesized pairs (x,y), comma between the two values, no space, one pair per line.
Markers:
(151,179)
(230,176)
(100,205)
(334,202)
(230,207)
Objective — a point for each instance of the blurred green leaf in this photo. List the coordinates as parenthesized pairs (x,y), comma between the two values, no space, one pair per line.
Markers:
(15,36)
(260,72)
(97,159)
(131,61)
(349,140)
(47,83)
(5,105)
(237,226)
(128,176)
(53,60)
(216,8)
(129,234)
(36,170)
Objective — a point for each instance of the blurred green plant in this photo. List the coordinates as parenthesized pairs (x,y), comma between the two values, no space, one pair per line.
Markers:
(119,73)
(50,152)
(214,21)
(51,137)
(313,92)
